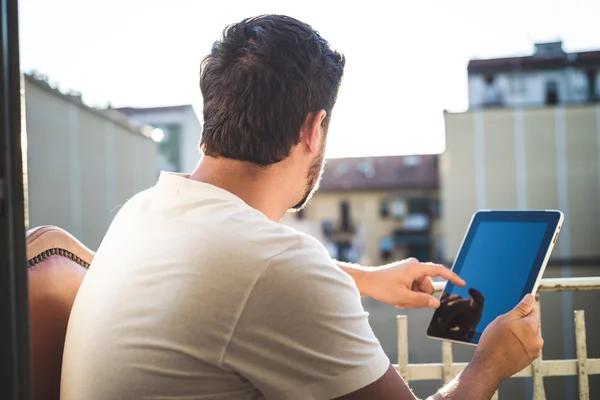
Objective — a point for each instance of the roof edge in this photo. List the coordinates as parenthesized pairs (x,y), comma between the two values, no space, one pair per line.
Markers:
(118,119)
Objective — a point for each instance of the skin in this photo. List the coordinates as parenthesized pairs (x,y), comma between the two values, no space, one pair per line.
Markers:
(508,345)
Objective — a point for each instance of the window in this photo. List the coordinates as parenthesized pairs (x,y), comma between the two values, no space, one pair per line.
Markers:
(420,251)
(591,85)
(411,161)
(345,216)
(517,85)
(416,222)
(491,92)
(419,205)
(345,252)
(366,168)
(399,208)
(551,93)
(436,208)
(341,169)
(386,246)
(384,209)
(327,227)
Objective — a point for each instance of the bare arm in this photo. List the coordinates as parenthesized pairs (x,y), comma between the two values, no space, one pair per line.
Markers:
(404,284)
(472,384)
(508,345)
(357,272)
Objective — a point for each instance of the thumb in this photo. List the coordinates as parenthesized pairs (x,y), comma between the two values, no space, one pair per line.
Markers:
(420,299)
(524,307)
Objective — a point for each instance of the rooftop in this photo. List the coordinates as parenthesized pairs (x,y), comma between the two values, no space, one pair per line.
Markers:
(112,115)
(152,110)
(546,56)
(372,173)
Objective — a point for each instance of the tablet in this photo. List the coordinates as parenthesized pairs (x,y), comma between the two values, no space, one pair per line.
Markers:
(502,258)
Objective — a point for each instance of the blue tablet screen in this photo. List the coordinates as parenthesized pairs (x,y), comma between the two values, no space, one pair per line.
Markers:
(500,261)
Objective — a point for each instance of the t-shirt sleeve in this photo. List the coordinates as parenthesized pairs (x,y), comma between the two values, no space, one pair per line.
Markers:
(303,333)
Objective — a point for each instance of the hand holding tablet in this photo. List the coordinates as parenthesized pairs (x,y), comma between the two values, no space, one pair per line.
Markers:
(502,258)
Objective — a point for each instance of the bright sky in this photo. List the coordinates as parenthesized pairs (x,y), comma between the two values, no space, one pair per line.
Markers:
(406,61)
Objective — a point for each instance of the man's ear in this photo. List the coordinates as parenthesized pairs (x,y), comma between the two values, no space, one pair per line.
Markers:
(312,130)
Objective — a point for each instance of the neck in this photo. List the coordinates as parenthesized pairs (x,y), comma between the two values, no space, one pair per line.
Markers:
(262,188)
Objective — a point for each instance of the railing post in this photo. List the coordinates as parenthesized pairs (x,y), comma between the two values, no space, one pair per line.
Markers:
(403,346)
(582,366)
(580,340)
(536,369)
(447,360)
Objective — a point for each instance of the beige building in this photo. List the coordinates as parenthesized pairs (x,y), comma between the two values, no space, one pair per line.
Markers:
(376,209)
(82,163)
(531,140)
(532,158)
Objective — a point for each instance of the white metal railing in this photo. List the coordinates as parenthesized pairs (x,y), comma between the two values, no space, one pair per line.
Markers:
(581,367)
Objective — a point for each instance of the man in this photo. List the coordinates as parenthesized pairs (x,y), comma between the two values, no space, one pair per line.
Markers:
(197,292)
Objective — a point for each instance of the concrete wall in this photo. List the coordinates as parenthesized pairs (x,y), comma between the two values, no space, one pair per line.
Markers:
(544,158)
(82,164)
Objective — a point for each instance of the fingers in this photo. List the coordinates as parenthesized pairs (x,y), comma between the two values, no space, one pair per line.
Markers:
(435,270)
(410,260)
(530,340)
(533,319)
(418,299)
(527,331)
(426,285)
(524,307)
(535,351)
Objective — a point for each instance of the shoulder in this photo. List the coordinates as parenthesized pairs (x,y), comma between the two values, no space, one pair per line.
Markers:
(300,276)
(303,307)
(279,247)
(304,257)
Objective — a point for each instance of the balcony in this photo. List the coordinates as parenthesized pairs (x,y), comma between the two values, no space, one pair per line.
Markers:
(581,367)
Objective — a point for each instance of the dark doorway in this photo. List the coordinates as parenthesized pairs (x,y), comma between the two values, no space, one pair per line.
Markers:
(592,79)
(551,93)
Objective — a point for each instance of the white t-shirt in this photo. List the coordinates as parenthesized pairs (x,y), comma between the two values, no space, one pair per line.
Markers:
(195,295)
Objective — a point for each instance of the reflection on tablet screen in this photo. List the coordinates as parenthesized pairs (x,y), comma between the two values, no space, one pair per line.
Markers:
(457,317)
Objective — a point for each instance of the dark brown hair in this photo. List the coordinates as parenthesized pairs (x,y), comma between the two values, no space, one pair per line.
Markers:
(259,83)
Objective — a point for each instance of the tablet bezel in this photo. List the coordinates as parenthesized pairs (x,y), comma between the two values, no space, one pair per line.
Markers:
(554,218)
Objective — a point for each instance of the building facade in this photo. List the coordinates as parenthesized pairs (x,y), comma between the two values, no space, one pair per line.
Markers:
(179,131)
(549,76)
(531,140)
(82,163)
(375,210)
(525,158)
